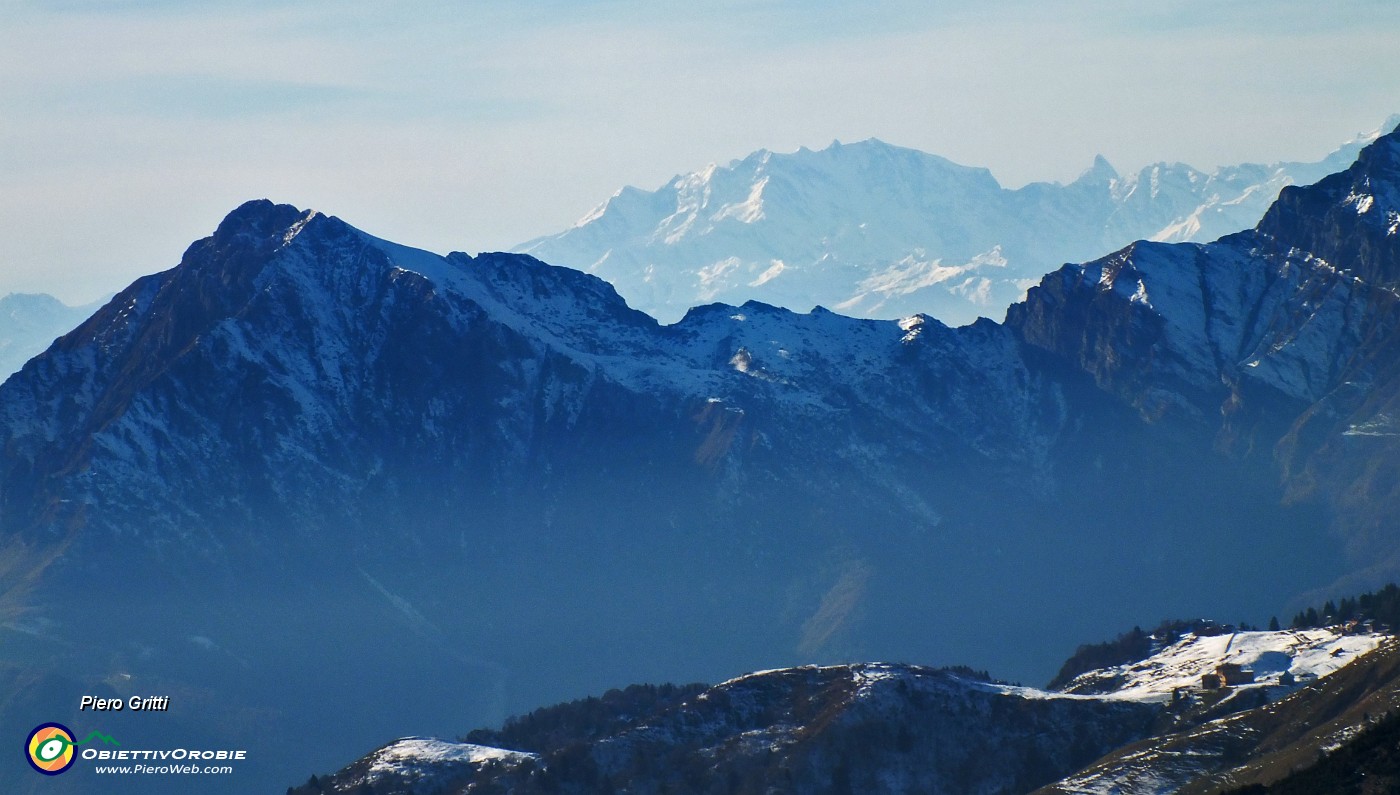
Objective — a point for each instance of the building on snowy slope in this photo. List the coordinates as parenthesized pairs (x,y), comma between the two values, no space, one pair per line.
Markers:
(1227,675)
(1258,745)
(1366,627)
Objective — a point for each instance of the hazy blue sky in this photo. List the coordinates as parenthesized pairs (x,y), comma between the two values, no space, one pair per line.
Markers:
(128,129)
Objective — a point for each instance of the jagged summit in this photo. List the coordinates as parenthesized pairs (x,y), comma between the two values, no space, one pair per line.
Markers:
(261,219)
(247,239)
(1100,171)
(1264,305)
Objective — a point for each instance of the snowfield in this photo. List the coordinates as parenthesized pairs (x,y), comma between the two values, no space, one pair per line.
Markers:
(1307,654)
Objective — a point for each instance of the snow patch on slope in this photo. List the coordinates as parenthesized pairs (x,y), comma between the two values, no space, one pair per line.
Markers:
(415,758)
(412,752)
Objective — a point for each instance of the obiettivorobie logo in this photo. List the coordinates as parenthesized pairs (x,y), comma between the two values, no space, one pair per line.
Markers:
(50,747)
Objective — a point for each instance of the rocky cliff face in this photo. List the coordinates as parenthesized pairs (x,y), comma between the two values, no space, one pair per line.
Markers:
(1282,338)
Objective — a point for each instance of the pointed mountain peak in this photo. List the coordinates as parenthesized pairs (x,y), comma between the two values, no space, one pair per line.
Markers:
(249,235)
(1100,171)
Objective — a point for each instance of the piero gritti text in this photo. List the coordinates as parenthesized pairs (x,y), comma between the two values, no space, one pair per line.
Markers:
(134,704)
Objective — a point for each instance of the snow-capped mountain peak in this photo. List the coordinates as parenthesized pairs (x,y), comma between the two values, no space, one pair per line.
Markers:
(884,231)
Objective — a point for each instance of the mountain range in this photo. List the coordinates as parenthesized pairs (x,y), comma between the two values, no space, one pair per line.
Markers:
(875,230)
(720,233)
(327,486)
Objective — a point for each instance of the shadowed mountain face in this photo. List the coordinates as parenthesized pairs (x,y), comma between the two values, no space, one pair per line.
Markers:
(1283,339)
(327,484)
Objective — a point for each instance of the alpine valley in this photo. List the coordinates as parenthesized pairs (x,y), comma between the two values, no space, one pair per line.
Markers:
(322,489)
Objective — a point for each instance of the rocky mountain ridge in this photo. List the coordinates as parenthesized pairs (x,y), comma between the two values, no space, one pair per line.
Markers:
(880,728)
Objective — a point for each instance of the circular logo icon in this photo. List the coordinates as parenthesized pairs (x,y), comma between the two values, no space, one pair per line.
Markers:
(50,748)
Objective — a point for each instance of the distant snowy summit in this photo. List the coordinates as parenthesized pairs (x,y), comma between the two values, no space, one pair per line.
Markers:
(875,230)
